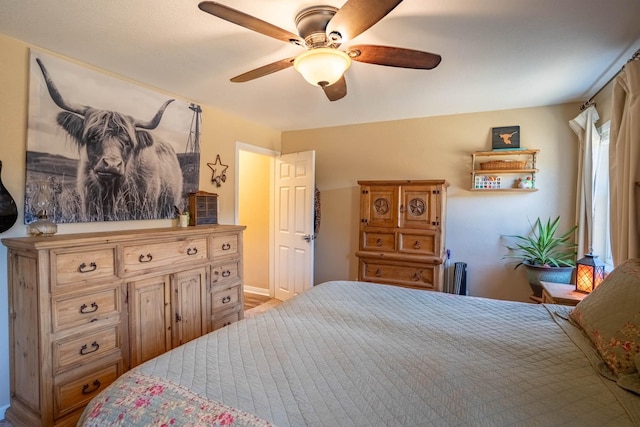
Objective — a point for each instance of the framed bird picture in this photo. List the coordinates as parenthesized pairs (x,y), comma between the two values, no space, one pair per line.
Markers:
(505,138)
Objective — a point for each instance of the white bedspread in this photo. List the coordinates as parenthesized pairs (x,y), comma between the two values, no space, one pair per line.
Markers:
(360,354)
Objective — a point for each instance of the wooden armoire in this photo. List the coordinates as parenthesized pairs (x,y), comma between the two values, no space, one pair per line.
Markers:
(402,233)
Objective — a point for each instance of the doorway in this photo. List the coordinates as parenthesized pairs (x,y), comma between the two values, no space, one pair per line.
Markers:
(266,197)
(254,209)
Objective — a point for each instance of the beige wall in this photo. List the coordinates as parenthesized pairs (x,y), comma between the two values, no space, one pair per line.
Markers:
(220,131)
(254,189)
(439,148)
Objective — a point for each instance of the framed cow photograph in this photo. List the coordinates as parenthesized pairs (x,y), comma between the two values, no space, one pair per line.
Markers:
(103,149)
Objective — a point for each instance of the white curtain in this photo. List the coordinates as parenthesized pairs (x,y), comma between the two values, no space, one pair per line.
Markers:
(584,125)
(624,164)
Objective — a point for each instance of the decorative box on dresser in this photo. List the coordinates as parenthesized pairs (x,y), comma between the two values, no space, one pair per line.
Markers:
(402,233)
(84,308)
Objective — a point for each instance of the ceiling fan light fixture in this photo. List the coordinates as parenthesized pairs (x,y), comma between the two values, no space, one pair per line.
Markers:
(322,66)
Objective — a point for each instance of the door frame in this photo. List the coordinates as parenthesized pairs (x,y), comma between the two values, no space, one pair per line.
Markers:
(272,154)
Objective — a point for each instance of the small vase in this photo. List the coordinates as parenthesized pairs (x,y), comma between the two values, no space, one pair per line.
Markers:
(8,209)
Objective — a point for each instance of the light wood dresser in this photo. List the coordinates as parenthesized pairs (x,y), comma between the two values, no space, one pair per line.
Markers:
(402,233)
(84,308)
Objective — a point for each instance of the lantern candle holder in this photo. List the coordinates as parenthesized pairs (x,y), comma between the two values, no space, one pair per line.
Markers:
(590,273)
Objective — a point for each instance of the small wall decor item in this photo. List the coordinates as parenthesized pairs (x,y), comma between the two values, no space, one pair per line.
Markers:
(526,182)
(203,208)
(113,150)
(218,177)
(487,182)
(8,208)
(505,138)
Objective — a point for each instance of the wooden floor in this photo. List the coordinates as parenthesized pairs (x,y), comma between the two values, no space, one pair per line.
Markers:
(253,300)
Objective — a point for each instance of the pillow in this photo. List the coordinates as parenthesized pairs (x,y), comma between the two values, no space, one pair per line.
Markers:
(631,382)
(610,316)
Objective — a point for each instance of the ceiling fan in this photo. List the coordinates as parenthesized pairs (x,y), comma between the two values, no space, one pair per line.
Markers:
(322,29)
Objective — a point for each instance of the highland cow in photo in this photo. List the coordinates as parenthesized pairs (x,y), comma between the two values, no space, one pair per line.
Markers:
(122,167)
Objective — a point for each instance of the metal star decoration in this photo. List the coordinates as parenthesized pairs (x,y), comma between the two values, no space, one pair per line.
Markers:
(222,176)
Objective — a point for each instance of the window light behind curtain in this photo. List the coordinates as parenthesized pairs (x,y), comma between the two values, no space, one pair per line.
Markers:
(589,152)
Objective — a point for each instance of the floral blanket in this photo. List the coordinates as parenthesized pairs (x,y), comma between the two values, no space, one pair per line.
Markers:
(139,400)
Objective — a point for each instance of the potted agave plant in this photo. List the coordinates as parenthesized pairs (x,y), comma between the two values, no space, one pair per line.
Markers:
(545,256)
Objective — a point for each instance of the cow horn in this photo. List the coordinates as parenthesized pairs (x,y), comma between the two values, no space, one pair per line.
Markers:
(153,123)
(56,96)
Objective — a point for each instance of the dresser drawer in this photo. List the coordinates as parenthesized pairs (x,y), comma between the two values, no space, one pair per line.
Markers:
(419,242)
(226,320)
(224,246)
(225,274)
(378,241)
(415,275)
(140,258)
(83,266)
(77,392)
(225,298)
(85,348)
(78,310)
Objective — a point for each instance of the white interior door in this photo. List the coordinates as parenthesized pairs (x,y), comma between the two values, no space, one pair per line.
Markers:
(294,214)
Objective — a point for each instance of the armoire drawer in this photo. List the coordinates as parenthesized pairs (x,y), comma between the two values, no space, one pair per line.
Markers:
(140,258)
(419,242)
(378,241)
(415,275)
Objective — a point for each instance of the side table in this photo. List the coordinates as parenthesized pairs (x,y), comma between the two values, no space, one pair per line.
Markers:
(561,293)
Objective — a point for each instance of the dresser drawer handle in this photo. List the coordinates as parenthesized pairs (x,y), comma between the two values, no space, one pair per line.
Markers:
(378,273)
(379,242)
(416,277)
(226,273)
(192,251)
(84,269)
(83,308)
(226,246)
(226,299)
(86,389)
(84,351)
(416,245)
(145,258)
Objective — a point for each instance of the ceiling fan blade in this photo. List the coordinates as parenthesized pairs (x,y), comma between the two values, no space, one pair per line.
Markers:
(250,22)
(394,56)
(264,70)
(336,91)
(356,16)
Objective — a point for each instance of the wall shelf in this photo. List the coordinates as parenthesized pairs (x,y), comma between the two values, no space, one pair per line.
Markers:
(494,178)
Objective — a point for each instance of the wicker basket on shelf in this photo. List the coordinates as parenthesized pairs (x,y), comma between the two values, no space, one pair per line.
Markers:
(503,164)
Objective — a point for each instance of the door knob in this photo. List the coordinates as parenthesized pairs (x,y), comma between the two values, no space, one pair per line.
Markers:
(309,237)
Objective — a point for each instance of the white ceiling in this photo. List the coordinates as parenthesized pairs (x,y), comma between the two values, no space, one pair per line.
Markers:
(497,54)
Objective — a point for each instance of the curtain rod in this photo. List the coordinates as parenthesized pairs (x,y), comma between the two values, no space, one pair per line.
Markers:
(589,102)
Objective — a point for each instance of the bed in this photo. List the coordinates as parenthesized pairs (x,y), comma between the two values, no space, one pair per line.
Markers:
(360,354)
